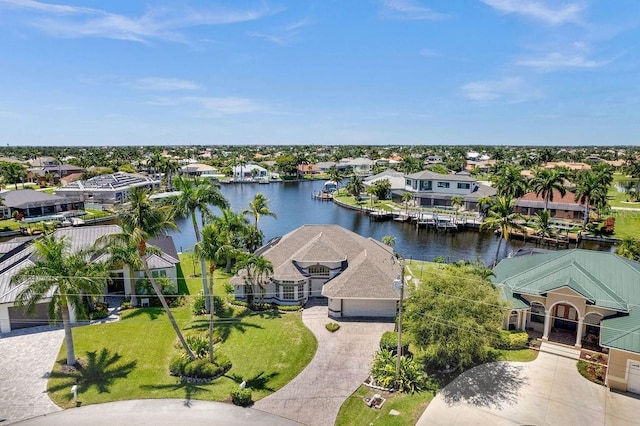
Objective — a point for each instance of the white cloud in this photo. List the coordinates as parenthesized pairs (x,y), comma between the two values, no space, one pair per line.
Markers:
(282,35)
(410,10)
(556,61)
(568,12)
(155,24)
(164,84)
(228,105)
(509,89)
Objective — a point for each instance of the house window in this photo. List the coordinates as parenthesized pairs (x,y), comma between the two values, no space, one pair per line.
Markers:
(319,270)
(160,273)
(443,184)
(464,185)
(288,292)
(537,313)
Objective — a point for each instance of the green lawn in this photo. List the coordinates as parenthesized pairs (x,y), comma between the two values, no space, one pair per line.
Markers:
(128,359)
(410,406)
(627,223)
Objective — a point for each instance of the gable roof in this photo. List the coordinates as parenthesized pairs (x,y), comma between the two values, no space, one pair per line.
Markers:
(567,201)
(370,269)
(604,279)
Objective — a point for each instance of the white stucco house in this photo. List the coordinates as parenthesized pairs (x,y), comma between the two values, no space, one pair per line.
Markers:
(249,172)
(17,254)
(432,189)
(354,273)
(107,189)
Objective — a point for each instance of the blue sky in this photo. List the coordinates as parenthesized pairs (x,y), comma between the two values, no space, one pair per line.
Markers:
(508,72)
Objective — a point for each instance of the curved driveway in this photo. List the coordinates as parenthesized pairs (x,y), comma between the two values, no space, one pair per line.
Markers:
(340,365)
(26,359)
(547,391)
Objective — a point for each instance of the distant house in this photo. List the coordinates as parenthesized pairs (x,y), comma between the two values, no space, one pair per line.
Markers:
(18,255)
(354,273)
(307,169)
(107,189)
(358,165)
(248,172)
(57,171)
(432,189)
(201,170)
(568,165)
(581,297)
(396,179)
(561,207)
(27,203)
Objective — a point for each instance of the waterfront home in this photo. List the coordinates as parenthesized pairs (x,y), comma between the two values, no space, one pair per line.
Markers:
(354,273)
(396,179)
(580,298)
(561,207)
(307,169)
(18,253)
(358,165)
(28,204)
(248,172)
(431,189)
(201,170)
(107,189)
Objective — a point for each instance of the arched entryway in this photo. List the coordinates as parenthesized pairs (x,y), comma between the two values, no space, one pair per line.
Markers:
(591,335)
(563,324)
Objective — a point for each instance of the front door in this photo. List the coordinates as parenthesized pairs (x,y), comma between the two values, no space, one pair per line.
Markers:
(116,285)
(566,317)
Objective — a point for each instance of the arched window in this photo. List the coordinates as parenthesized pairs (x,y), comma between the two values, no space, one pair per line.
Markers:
(319,270)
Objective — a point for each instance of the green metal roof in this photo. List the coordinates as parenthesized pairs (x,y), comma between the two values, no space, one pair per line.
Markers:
(622,332)
(513,301)
(604,279)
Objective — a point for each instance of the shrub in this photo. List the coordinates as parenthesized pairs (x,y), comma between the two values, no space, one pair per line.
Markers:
(260,307)
(241,397)
(240,303)
(513,339)
(125,305)
(289,308)
(100,311)
(383,371)
(389,342)
(198,304)
(200,368)
(332,326)
(199,344)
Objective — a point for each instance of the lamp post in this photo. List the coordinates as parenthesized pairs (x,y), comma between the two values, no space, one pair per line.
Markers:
(398,284)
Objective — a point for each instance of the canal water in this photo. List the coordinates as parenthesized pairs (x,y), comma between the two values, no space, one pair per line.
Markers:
(294,205)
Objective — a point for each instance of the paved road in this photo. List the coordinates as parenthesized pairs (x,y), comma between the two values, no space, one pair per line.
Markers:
(26,359)
(547,391)
(340,365)
(160,412)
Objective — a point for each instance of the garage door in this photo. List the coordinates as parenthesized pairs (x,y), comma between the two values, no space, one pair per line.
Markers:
(368,308)
(633,377)
(19,319)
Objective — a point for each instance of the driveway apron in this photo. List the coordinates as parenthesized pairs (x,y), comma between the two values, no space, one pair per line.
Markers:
(26,360)
(340,365)
(546,391)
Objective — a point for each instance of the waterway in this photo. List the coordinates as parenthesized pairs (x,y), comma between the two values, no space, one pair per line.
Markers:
(294,206)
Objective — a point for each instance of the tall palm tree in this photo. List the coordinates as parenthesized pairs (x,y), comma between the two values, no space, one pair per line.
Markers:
(259,207)
(62,276)
(503,217)
(510,182)
(543,226)
(456,202)
(546,181)
(355,186)
(587,188)
(141,220)
(232,225)
(258,269)
(198,194)
(212,249)
(335,175)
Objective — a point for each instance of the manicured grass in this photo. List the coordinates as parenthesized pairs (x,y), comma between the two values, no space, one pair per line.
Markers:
(627,223)
(410,406)
(129,359)
(520,355)
(9,225)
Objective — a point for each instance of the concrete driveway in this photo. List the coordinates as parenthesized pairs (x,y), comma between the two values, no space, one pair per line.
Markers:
(26,359)
(340,365)
(547,391)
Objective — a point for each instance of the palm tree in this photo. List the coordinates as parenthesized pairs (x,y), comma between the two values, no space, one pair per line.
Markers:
(355,186)
(587,188)
(407,197)
(232,225)
(456,202)
(212,249)
(335,175)
(389,240)
(168,167)
(546,181)
(629,247)
(258,269)
(502,217)
(62,276)
(510,182)
(199,194)
(259,207)
(543,225)
(141,220)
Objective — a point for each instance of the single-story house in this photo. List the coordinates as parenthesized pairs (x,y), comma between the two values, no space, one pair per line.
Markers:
(202,170)
(354,273)
(107,189)
(18,255)
(248,172)
(560,206)
(431,189)
(28,203)
(589,295)
(396,179)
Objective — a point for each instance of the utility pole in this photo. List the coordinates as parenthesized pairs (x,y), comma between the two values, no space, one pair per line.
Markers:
(399,283)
